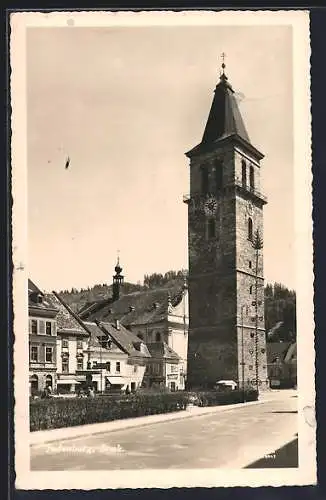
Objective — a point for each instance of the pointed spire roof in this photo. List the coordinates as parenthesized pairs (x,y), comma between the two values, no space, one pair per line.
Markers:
(224,120)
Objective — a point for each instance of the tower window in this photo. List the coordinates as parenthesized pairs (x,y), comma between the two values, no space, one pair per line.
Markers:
(204,180)
(250,289)
(211,228)
(244,173)
(250,264)
(252,177)
(219,175)
(250,230)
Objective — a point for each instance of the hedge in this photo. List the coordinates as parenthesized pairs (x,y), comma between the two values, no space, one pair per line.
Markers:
(214,398)
(57,413)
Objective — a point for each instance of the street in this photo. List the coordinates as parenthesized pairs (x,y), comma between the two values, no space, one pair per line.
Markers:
(248,436)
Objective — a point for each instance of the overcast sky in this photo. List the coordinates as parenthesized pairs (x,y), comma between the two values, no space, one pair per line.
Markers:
(125,104)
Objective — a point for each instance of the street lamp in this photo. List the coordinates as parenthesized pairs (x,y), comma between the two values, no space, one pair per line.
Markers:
(257,245)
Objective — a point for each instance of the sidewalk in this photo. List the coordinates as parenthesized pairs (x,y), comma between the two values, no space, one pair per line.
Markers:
(40,437)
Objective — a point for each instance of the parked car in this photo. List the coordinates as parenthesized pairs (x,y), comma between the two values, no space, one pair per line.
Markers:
(226,385)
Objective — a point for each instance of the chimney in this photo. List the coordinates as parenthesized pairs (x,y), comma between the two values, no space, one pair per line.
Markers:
(117,324)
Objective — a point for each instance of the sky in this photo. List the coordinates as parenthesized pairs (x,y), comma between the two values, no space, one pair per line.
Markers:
(125,104)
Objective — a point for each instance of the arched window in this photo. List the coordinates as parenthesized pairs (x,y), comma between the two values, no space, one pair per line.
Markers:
(252,177)
(250,230)
(218,175)
(250,289)
(34,382)
(158,337)
(211,228)
(204,180)
(244,173)
(48,381)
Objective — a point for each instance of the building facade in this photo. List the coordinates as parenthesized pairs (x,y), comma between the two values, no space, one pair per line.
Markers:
(42,340)
(105,356)
(158,316)
(225,233)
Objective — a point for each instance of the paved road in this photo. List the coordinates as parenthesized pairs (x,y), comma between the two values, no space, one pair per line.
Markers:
(233,438)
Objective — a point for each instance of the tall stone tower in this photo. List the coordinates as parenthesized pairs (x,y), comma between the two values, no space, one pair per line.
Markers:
(225,236)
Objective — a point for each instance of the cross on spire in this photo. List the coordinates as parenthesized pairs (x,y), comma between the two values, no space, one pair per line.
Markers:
(223,61)
(118,253)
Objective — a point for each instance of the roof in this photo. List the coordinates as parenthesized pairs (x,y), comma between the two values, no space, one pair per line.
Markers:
(137,308)
(66,320)
(32,288)
(224,119)
(291,354)
(47,301)
(162,350)
(125,339)
(276,350)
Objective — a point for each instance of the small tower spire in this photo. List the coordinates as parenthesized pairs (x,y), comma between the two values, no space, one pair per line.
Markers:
(117,280)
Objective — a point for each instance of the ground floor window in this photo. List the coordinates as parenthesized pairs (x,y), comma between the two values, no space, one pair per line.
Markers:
(172,386)
(34,382)
(48,381)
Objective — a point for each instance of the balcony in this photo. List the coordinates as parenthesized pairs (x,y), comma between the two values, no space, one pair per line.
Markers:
(250,192)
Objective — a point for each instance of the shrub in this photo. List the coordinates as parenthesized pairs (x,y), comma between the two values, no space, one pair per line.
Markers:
(214,398)
(57,413)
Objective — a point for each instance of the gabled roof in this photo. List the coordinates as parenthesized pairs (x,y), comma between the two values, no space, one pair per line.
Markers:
(224,120)
(125,339)
(137,308)
(66,320)
(162,350)
(32,288)
(33,292)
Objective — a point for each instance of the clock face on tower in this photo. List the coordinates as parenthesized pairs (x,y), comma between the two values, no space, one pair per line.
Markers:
(210,206)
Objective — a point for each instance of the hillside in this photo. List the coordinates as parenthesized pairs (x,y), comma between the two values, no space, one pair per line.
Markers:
(280,302)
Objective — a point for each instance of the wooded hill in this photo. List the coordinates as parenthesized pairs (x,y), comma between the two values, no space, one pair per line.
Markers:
(280,302)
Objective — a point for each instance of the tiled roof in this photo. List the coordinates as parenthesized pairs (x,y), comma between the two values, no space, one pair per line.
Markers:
(125,339)
(138,308)
(162,350)
(66,320)
(276,349)
(32,288)
(33,291)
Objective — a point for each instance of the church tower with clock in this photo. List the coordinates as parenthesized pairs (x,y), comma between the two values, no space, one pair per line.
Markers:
(225,240)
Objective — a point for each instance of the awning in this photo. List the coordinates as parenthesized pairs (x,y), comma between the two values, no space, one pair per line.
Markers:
(67,381)
(116,380)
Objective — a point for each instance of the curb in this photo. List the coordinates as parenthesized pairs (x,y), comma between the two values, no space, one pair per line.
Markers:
(63,434)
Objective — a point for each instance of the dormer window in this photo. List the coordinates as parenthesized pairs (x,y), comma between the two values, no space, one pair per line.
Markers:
(155,305)
(39,299)
(131,308)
